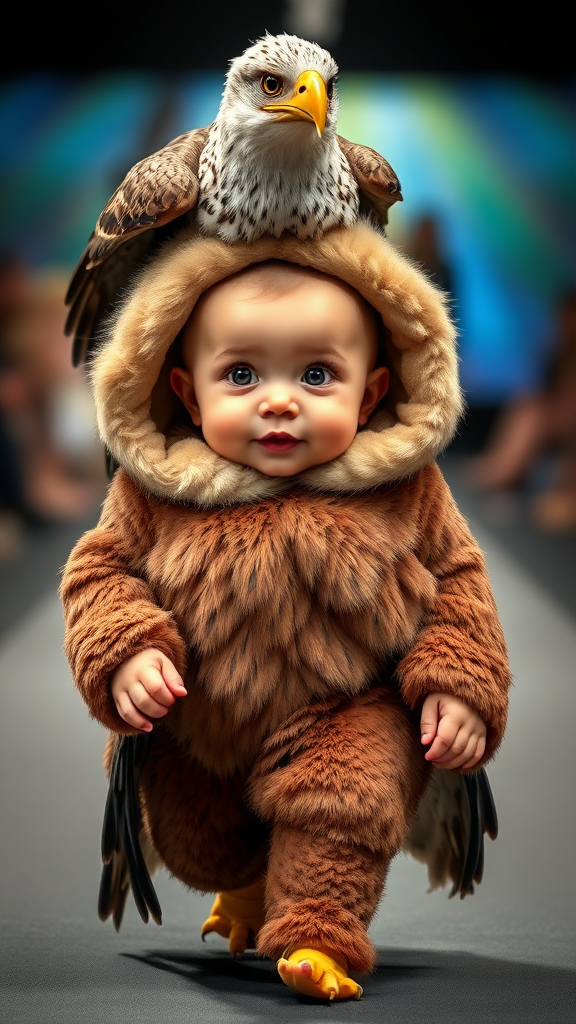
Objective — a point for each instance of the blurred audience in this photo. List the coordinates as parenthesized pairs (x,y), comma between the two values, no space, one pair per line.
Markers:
(426,246)
(13,290)
(538,428)
(52,465)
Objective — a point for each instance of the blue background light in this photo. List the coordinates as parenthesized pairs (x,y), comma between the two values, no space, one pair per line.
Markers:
(494,159)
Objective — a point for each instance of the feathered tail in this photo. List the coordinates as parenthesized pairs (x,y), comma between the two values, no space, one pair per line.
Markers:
(127,853)
(447,835)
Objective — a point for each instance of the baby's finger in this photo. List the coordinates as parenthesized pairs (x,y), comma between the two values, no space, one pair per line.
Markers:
(477,754)
(438,748)
(130,714)
(456,749)
(429,718)
(147,703)
(457,758)
(154,685)
(172,678)
(443,741)
(176,686)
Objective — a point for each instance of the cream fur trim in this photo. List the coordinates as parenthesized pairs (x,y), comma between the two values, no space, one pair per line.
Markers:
(396,442)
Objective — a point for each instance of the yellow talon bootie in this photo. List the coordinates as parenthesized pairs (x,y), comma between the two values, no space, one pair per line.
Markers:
(313,973)
(237,916)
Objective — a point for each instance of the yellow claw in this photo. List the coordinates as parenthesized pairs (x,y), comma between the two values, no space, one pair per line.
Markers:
(237,916)
(315,974)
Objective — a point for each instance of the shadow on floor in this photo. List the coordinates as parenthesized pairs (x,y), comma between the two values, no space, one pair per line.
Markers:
(408,987)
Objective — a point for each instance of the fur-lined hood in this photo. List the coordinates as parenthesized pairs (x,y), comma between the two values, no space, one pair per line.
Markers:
(136,408)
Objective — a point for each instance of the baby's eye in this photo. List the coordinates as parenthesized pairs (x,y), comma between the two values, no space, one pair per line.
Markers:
(316,375)
(241,375)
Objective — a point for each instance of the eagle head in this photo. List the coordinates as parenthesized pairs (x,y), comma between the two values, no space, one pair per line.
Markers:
(286,84)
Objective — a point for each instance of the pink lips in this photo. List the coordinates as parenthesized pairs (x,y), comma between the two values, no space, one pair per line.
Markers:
(280,442)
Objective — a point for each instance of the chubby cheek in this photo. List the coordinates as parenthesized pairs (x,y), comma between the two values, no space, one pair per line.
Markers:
(222,428)
(334,431)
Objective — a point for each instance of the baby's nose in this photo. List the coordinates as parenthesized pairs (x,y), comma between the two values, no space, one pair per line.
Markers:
(279,401)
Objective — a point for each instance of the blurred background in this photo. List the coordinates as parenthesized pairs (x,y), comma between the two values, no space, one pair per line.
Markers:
(476,111)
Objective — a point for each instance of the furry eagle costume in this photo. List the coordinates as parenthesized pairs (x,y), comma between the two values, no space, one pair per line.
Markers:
(309,616)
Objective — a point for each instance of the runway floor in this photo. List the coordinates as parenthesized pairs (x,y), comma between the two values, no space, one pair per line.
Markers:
(506,954)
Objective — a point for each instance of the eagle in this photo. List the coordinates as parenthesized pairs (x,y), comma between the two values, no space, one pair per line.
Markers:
(271,162)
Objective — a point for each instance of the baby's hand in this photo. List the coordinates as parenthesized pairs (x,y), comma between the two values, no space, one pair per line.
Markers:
(146,684)
(455,730)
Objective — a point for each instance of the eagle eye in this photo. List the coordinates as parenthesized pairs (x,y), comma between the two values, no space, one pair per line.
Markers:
(271,84)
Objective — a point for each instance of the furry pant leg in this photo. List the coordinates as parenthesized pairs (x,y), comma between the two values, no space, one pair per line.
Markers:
(340,783)
(199,822)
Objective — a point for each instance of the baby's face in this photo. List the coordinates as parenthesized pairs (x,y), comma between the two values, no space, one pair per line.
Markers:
(281,382)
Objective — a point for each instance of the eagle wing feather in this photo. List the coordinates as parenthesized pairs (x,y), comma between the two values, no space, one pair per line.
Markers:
(128,857)
(454,815)
(155,193)
(378,182)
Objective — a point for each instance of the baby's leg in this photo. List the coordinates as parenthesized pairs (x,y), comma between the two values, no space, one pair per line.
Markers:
(200,823)
(340,784)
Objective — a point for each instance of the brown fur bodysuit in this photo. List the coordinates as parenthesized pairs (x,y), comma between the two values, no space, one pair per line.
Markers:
(308,616)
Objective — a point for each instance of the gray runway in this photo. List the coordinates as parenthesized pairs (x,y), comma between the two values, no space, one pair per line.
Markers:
(508,953)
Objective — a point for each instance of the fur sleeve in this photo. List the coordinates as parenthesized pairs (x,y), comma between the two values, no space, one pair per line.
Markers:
(460,648)
(109,610)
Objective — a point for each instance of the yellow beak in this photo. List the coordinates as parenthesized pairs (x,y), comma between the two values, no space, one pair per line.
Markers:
(309,102)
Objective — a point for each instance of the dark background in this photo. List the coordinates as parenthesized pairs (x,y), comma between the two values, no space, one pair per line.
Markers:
(535,41)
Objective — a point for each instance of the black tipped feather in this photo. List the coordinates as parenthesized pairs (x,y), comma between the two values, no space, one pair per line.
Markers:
(105,892)
(483,820)
(142,888)
(113,892)
(478,874)
(475,837)
(109,825)
(448,833)
(124,864)
(490,818)
(132,824)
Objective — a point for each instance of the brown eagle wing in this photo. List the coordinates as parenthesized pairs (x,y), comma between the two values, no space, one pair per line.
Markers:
(378,182)
(155,193)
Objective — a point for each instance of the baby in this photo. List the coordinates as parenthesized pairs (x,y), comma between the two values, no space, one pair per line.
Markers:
(279,374)
(304,643)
